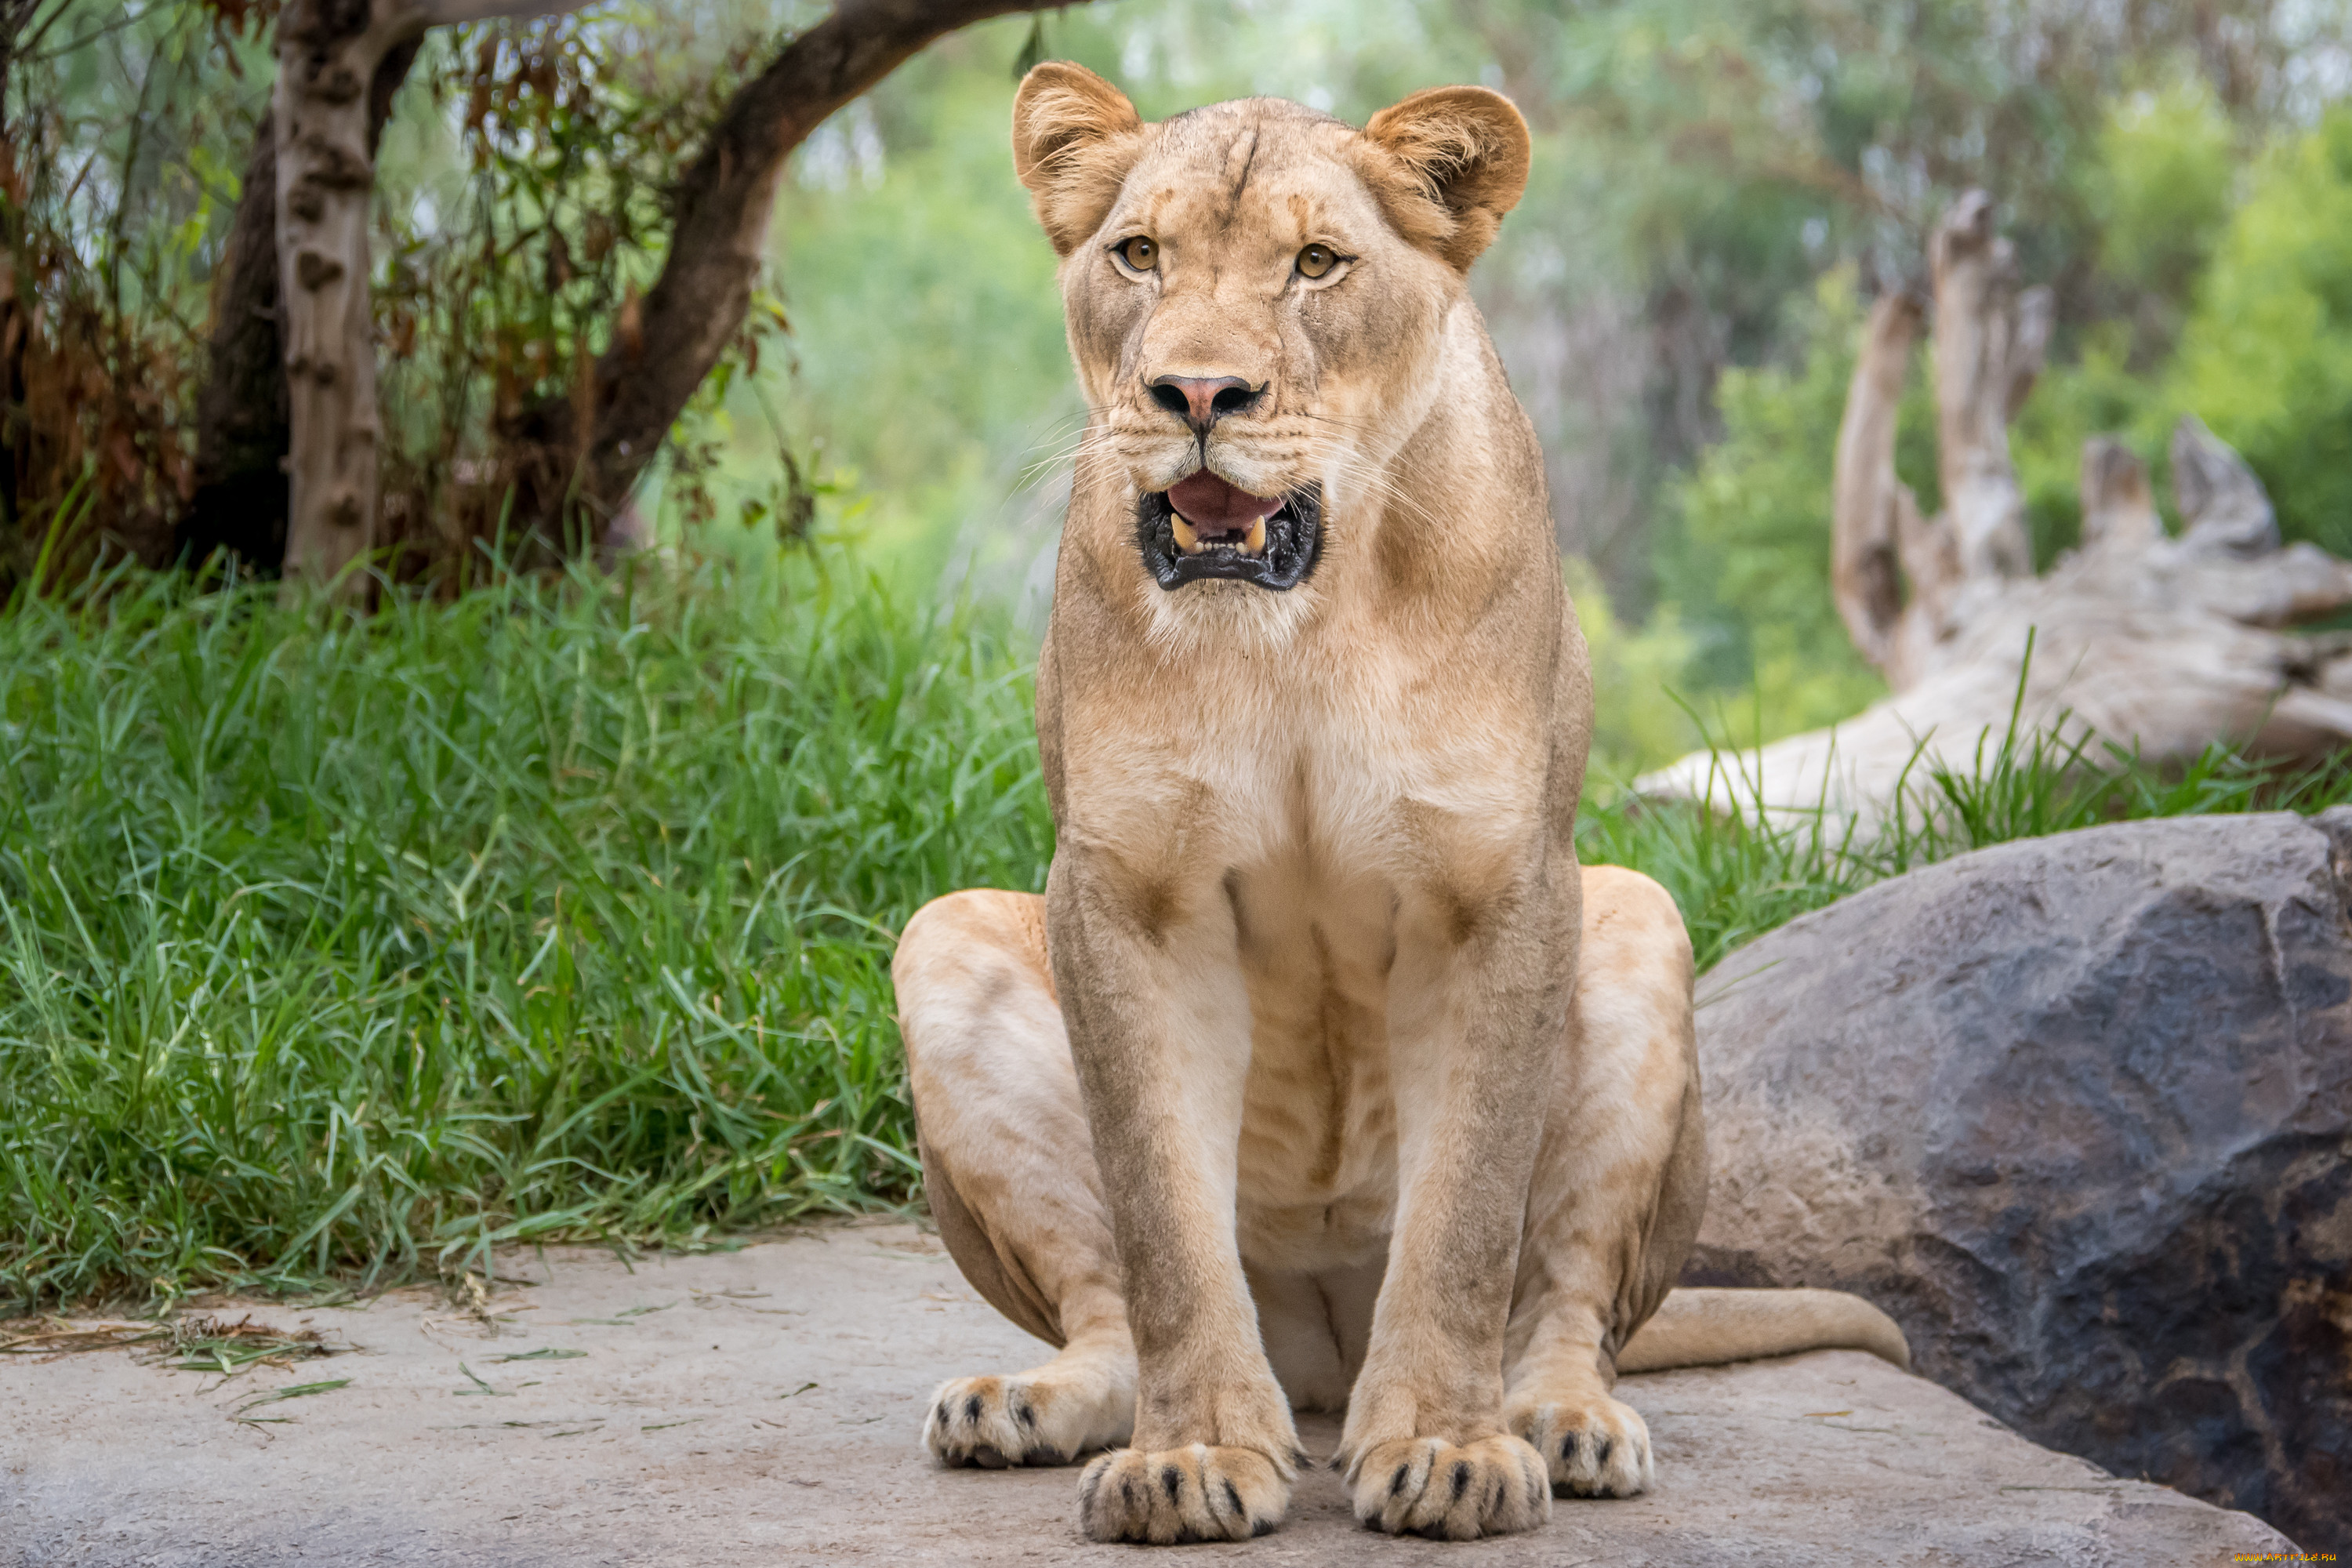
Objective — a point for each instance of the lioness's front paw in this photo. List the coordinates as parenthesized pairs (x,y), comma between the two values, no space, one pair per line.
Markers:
(1594,1446)
(1430,1486)
(1198,1493)
(994,1421)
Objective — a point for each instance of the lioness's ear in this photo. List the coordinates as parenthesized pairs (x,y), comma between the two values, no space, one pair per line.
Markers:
(1074,138)
(1462,149)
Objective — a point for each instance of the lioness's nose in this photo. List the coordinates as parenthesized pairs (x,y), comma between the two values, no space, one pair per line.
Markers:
(1201,400)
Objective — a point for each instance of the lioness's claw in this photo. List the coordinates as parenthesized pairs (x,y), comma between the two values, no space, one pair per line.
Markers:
(1180,1494)
(1592,1447)
(1430,1486)
(997,1422)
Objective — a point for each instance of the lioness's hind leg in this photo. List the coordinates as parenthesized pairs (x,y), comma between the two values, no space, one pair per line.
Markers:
(1619,1184)
(1010,1172)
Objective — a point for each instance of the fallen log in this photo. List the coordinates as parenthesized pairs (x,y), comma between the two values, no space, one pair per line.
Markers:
(2153,644)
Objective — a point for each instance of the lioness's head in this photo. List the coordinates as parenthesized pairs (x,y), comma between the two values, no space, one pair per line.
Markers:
(1255,295)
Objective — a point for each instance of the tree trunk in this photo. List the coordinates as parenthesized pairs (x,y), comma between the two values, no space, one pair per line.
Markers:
(329,53)
(243,419)
(723,203)
(2153,645)
(286,423)
(16,553)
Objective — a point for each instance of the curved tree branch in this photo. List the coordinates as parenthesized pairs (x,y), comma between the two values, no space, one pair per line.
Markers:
(1989,347)
(723,203)
(1867,502)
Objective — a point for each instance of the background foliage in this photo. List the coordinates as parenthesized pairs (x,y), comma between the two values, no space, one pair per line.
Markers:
(1719,189)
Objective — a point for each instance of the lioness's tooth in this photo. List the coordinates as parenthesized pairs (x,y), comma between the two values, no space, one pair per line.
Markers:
(1187,541)
(1256,543)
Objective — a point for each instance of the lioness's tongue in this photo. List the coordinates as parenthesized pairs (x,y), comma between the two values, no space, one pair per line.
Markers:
(1212,505)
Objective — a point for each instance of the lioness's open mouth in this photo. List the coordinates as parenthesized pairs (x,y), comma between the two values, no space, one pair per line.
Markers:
(1202,527)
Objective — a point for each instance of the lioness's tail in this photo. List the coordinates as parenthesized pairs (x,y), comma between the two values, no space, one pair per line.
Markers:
(1705,1327)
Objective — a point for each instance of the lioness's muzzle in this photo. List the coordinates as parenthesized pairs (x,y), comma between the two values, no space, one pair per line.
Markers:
(1204,527)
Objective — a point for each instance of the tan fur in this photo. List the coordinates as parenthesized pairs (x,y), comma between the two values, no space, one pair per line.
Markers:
(1705,1327)
(1297,1094)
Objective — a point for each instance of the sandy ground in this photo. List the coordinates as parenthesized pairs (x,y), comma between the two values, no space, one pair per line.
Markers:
(764,1407)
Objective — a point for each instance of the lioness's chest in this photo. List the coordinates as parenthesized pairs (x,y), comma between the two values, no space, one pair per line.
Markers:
(1318,1155)
(1328,815)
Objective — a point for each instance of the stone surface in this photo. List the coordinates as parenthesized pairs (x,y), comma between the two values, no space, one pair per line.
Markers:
(765,1405)
(2077,1112)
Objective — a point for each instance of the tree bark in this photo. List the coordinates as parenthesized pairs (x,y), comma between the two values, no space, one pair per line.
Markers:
(243,419)
(2153,645)
(2118,508)
(1872,512)
(1990,342)
(2224,505)
(329,53)
(569,492)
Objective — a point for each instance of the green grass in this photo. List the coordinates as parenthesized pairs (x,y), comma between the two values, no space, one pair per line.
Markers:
(1738,875)
(337,950)
(349,949)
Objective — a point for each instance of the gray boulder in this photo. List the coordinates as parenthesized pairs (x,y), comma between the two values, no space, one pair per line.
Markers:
(2077,1113)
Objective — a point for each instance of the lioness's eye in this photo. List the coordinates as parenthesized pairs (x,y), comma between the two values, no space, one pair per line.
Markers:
(1316,260)
(1142,252)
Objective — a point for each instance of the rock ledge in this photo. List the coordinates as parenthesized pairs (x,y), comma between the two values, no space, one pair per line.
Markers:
(766,1409)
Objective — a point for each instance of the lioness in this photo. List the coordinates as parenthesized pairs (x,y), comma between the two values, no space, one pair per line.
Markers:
(1293,1090)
